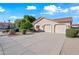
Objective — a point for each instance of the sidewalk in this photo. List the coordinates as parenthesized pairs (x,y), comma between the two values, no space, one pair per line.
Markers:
(71,47)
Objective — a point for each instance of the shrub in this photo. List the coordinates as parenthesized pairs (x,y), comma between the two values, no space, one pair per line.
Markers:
(77,29)
(16,29)
(12,32)
(4,31)
(7,30)
(23,31)
(71,32)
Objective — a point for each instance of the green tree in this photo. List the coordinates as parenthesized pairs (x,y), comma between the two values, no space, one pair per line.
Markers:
(23,24)
(26,24)
(29,25)
(18,22)
(29,18)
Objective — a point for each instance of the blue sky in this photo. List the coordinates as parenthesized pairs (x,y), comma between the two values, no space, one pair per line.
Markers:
(13,11)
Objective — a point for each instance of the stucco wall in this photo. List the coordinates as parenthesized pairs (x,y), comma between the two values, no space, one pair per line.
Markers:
(48,26)
(44,22)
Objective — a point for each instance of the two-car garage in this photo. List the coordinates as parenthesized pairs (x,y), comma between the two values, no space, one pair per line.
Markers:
(58,28)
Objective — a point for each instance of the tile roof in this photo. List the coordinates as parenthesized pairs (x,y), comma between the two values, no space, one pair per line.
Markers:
(63,20)
(59,20)
(40,18)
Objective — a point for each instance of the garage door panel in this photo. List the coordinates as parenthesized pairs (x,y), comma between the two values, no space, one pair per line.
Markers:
(60,28)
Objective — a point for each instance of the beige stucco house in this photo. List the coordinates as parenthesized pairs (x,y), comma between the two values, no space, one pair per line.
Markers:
(52,25)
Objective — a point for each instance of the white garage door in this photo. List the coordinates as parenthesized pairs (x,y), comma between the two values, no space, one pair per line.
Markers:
(47,28)
(60,29)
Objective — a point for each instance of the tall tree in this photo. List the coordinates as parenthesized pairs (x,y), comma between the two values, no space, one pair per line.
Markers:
(26,24)
(29,18)
(18,22)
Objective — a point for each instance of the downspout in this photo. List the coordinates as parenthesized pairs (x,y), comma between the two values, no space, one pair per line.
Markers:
(54,28)
(51,28)
(71,22)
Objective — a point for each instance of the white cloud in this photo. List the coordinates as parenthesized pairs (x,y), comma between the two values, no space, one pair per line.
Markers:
(32,14)
(76,16)
(74,8)
(49,13)
(31,8)
(53,8)
(59,9)
(2,10)
(64,10)
(14,17)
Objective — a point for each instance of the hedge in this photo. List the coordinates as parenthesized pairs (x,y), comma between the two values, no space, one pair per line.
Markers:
(71,32)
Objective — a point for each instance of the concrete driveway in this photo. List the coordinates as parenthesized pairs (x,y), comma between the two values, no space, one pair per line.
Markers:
(33,44)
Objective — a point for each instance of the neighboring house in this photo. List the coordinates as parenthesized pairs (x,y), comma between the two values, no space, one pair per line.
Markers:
(4,25)
(52,25)
(75,25)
